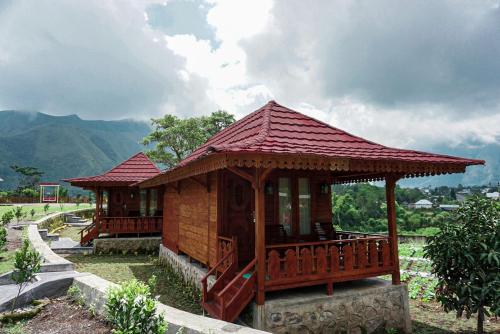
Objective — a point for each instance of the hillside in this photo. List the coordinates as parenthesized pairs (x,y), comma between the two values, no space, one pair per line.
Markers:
(475,175)
(64,146)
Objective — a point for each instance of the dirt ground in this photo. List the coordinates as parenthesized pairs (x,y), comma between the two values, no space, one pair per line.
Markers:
(62,316)
(13,238)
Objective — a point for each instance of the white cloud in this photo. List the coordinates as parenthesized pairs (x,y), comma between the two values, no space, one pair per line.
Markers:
(406,73)
(95,58)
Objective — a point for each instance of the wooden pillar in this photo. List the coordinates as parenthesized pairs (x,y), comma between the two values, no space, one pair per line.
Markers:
(97,203)
(390,185)
(260,235)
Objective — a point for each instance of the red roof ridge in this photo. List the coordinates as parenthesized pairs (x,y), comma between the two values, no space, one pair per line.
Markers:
(136,168)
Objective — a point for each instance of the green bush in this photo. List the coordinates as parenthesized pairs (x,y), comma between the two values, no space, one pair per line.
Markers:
(3,237)
(7,217)
(26,265)
(132,310)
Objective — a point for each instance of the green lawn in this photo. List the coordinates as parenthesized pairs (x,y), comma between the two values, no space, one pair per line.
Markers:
(170,287)
(39,211)
(6,261)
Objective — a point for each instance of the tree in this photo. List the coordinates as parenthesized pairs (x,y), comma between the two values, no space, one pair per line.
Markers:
(29,176)
(26,265)
(18,213)
(466,257)
(175,138)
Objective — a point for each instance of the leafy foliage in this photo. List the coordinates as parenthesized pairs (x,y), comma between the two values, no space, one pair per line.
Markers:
(19,213)
(7,217)
(29,176)
(132,309)
(176,138)
(466,260)
(362,207)
(3,237)
(27,264)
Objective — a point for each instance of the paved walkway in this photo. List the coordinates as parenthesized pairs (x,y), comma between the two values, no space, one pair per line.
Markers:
(50,284)
(64,243)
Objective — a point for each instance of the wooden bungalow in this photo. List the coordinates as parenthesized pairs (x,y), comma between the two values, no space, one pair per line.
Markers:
(121,207)
(254,205)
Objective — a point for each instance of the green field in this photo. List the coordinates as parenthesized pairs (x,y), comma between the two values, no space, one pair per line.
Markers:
(39,209)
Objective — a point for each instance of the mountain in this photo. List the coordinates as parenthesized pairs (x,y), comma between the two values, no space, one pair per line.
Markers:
(64,146)
(474,175)
(67,146)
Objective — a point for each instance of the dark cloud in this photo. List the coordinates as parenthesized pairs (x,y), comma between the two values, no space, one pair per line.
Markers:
(181,17)
(97,59)
(388,53)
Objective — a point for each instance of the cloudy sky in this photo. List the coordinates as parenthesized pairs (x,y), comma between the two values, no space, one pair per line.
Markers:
(405,73)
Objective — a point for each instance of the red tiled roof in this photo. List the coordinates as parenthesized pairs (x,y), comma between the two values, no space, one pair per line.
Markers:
(135,169)
(277,129)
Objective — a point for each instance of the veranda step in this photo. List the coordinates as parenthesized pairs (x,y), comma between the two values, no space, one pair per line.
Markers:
(212,308)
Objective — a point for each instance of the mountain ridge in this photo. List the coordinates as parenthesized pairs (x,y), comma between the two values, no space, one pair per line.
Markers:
(64,146)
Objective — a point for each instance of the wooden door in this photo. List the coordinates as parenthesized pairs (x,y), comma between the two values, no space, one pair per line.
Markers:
(238,215)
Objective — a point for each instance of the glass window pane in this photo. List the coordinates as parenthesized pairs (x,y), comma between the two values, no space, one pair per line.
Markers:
(304,206)
(285,203)
(143,202)
(153,201)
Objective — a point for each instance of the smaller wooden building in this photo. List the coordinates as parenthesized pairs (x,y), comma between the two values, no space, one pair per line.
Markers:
(253,204)
(121,207)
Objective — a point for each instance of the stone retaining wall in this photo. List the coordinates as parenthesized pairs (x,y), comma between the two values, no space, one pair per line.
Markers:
(192,272)
(366,306)
(127,245)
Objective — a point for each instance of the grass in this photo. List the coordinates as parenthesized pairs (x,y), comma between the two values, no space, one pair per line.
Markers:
(13,328)
(7,261)
(411,249)
(170,287)
(71,232)
(39,212)
(429,318)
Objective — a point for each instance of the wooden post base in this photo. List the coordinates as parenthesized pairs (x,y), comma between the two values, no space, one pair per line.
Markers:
(329,288)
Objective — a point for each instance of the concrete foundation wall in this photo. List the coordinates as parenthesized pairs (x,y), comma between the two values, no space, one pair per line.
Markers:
(367,306)
(127,245)
(192,272)
(93,289)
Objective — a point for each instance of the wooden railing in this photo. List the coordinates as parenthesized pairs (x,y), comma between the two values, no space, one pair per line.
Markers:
(115,225)
(311,263)
(227,266)
(227,245)
(120,225)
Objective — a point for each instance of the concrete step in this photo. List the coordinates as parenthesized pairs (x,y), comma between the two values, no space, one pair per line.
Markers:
(46,285)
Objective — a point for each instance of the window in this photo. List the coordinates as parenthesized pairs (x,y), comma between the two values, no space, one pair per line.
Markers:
(304,206)
(144,196)
(285,203)
(153,202)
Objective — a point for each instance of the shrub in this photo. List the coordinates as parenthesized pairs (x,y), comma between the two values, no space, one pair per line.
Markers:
(3,237)
(32,213)
(7,217)
(27,264)
(132,310)
(18,213)
(466,258)
(46,208)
